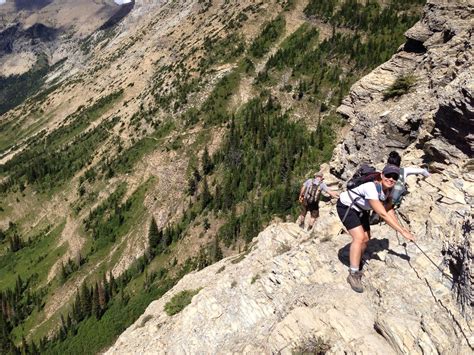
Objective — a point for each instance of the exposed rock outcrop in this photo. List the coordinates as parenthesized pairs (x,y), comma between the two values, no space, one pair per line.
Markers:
(431,124)
(291,288)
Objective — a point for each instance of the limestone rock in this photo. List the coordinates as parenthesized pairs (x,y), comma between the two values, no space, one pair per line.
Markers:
(431,124)
(291,287)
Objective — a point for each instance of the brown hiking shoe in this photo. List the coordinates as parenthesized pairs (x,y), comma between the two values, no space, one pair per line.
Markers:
(300,222)
(355,280)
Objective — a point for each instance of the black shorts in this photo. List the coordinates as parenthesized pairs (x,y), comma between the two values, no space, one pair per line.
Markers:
(313,206)
(353,217)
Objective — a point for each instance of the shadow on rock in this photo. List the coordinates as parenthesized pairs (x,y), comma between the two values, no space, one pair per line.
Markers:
(373,247)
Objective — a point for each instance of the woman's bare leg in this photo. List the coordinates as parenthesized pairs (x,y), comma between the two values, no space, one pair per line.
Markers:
(360,239)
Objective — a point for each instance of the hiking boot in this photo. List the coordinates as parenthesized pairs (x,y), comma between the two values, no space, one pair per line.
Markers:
(300,222)
(355,280)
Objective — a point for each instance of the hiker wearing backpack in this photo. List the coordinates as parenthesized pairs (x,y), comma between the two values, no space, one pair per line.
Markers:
(400,188)
(367,190)
(309,198)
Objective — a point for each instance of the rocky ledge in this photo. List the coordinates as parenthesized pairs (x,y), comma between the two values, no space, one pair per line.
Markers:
(290,292)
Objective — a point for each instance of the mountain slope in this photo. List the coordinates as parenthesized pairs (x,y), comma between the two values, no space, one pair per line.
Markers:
(164,143)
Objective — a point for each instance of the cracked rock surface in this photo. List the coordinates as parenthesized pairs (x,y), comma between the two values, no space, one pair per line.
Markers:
(291,286)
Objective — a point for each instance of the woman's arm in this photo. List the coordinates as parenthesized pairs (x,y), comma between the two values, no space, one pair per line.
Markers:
(326,189)
(413,171)
(390,219)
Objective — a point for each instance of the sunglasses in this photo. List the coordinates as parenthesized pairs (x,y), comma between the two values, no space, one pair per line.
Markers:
(392,176)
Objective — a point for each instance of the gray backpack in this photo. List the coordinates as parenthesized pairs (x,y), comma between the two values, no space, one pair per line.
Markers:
(399,190)
(312,194)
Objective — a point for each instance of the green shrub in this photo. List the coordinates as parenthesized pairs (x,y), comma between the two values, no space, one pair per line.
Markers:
(400,87)
(313,345)
(255,278)
(179,301)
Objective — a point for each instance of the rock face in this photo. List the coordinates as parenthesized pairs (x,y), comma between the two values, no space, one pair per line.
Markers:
(291,288)
(431,124)
(289,292)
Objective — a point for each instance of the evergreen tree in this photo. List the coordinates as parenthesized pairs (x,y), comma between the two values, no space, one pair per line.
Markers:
(112,287)
(25,349)
(62,329)
(207,165)
(62,274)
(193,182)
(206,196)
(86,301)
(154,235)
(77,311)
(6,345)
(202,259)
(68,321)
(34,349)
(15,243)
(96,308)
(216,251)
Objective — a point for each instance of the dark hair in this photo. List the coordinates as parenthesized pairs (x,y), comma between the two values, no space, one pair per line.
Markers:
(394,158)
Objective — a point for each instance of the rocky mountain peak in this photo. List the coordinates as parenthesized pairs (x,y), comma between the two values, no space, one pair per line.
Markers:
(288,291)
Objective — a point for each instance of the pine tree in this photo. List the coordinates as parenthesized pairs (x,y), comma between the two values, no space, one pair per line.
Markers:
(167,238)
(62,329)
(216,251)
(77,311)
(96,308)
(112,287)
(68,321)
(34,348)
(192,186)
(154,235)
(25,349)
(63,274)
(6,345)
(15,243)
(202,260)
(86,302)
(206,196)
(207,165)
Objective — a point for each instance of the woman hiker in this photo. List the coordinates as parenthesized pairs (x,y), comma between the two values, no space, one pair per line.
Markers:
(353,208)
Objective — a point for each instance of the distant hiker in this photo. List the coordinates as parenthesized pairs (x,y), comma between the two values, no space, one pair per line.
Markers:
(309,198)
(353,208)
(400,188)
